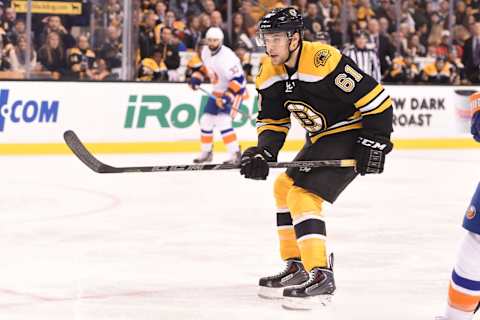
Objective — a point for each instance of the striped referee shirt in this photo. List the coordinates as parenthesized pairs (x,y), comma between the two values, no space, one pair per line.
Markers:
(366,59)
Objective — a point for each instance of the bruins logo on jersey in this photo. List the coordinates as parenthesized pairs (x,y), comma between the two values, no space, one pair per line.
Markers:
(470,214)
(310,119)
(321,57)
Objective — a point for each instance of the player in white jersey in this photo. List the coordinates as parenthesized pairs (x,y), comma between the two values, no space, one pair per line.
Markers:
(464,288)
(220,64)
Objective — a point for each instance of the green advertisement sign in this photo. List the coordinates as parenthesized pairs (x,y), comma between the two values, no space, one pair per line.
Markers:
(160,110)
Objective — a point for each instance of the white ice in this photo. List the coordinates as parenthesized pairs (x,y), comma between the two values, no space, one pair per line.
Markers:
(192,245)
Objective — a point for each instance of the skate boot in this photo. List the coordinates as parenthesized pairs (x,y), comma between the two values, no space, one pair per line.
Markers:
(272,287)
(204,157)
(317,291)
(235,159)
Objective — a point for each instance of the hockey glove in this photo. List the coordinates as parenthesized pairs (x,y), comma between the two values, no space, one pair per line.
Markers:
(475,128)
(225,101)
(195,80)
(370,152)
(253,163)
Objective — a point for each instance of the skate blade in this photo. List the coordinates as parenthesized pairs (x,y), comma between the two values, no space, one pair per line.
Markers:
(308,303)
(270,293)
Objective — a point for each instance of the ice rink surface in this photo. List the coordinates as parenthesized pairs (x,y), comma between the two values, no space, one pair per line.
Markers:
(192,245)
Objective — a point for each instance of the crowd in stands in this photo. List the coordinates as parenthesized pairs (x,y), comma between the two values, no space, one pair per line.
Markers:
(61,46)
(416,41)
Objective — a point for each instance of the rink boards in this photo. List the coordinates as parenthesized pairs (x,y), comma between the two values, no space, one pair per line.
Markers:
(162,117)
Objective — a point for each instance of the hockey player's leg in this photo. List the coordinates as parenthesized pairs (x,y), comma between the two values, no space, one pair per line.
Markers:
(464,288)
(271,287)
(224,124)
(207,122)
(306,210)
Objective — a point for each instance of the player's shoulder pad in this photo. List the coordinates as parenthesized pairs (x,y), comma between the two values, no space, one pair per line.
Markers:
(268,74)
(317,61)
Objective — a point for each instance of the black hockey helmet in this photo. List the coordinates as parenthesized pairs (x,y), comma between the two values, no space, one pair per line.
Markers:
(287,20)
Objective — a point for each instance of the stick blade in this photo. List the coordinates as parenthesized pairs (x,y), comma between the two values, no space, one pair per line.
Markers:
(77,147)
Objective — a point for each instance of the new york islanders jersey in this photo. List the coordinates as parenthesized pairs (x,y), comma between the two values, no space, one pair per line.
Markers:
(327,93)
(222,68)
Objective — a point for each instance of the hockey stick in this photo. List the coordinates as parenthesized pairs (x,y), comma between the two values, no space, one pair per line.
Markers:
(244,114)
(79,149)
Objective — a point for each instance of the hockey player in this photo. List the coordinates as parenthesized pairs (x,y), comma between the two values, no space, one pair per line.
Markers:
(464,288)
(220,64)
(346,113)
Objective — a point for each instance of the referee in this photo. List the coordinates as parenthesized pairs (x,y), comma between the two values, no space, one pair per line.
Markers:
(364,57)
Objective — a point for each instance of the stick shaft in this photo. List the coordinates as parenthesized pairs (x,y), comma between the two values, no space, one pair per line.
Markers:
(79,149)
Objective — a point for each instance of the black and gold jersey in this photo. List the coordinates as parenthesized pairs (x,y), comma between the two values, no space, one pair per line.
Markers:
(327,94)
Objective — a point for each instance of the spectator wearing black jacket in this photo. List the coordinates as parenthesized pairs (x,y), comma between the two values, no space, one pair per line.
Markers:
(147,36)
(170,55)
(471,54)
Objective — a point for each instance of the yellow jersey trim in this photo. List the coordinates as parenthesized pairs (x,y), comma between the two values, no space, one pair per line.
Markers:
(384,106)
(336,130)
(272,128)
(369,96)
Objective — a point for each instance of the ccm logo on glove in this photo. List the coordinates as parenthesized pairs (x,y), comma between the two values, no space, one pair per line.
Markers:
(372,144)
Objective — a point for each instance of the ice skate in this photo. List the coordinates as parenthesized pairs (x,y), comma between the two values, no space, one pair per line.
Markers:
(272,287)
(204,157)
(317,291)
(235,159)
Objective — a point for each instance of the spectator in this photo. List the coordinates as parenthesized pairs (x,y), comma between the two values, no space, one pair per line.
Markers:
(153,69)
(365,11)
(147,36)
(387,11)
(81,59)
(240,33)
(54,24)
(169,52)
(461,17)
(114,12)
(249,21)
(19,30)
(415,48)
(101,71)
(312,15)
(209,6)
(160,11)
(456,62)
(177,42)
(471,55)
(172,22)
(383,46)
(111,49)
(18,56)
(243,53)
(193,34)
(301,5)
(52,56)
(205,23)
(438,72)
(325,8)
(8,22)
(217,21)
(403,70)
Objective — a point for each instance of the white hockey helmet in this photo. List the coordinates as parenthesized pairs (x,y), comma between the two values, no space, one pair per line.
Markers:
(214,33)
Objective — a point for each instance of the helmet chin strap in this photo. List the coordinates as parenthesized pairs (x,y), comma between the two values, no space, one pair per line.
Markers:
(291,51)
